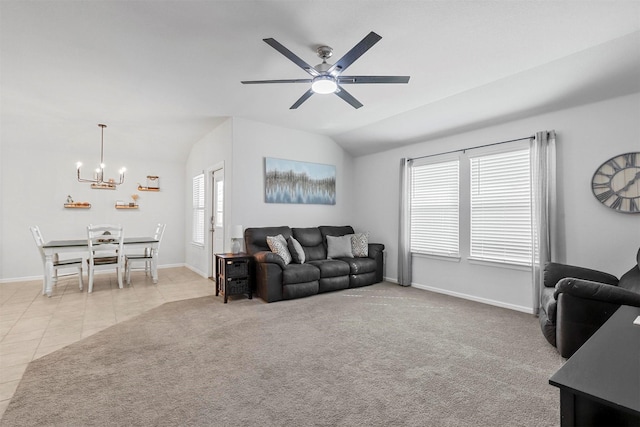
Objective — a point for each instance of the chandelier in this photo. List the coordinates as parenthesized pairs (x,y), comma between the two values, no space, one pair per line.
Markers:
(98,176)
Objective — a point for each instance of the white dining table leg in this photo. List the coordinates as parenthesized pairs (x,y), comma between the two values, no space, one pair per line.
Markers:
(154,265)
(48,275)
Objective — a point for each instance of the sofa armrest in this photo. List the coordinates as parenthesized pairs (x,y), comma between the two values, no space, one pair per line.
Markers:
(375,249)
(554,272)
(577,319)
(376,252)
(268,275)
(269,257)
(583,307)
(597,291)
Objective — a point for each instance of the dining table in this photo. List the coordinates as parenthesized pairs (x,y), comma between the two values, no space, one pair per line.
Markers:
(54,247)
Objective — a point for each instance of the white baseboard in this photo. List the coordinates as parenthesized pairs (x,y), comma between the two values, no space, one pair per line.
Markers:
(22,279)
(41,277)
(195,270)
(515,307)
(181,264)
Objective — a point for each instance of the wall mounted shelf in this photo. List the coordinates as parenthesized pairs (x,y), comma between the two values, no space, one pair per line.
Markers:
(103,186)
(126,207)
(141,188)
(77,205)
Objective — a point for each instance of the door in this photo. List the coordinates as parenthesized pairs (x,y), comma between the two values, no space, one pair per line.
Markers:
(217,215)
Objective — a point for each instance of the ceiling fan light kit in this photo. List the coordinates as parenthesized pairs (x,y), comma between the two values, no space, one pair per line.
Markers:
(327,78)
(324,85)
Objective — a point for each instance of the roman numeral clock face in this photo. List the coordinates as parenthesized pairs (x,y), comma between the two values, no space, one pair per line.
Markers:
(616,183)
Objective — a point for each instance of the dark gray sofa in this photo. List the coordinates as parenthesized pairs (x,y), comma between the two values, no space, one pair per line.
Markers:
(576,301)
(277,281)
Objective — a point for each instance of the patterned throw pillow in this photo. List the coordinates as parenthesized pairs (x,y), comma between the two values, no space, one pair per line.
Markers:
(295,248)
(278,245)
(339,246)
(360,245)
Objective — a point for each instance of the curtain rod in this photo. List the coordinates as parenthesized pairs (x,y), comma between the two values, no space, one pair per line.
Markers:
(471,148)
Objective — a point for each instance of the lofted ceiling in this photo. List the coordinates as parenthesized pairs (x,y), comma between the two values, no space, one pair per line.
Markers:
(162,74)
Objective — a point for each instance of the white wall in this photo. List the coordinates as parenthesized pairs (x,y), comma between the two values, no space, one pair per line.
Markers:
(590,234)
(214,149)
(252,142)
(35,185)
(242,145)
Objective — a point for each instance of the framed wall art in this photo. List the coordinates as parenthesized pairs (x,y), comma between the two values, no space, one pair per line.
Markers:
(289,181)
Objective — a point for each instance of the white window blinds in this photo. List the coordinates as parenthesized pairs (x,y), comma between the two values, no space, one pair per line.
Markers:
(198,210)
(434,207)
(501,207)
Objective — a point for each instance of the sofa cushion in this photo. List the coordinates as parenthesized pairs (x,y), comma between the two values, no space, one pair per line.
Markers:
(300,273)
(331,267)
(256,238)
(328,230)
(278,245)
(339,246)
(300,290)
(360,244)
(360,265)
(328,284)
(297,253)
(311,241)
(548,328)
(548,303)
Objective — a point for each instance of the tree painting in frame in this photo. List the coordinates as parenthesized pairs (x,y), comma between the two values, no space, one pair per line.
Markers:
(289,181)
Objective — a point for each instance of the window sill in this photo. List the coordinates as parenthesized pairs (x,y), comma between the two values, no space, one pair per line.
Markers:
(197,245)
(499,264)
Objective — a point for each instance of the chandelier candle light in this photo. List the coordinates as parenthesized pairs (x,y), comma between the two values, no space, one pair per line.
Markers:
(98,177)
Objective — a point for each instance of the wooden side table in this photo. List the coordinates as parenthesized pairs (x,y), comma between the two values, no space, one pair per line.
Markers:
(233,275)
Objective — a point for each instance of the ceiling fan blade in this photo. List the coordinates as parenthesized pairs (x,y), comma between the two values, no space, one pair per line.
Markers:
(349,98)
(254,82)
(303,98)
(292,56)
(372,79)
(355,53)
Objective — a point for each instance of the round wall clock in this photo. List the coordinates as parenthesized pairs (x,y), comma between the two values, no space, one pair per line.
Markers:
(616,183)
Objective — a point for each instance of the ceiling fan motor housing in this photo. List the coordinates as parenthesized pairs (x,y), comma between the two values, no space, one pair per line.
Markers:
(324,52)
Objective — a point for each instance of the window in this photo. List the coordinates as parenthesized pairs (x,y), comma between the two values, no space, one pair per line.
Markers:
(219,209)
(198,210)
(434,208)
(501,207)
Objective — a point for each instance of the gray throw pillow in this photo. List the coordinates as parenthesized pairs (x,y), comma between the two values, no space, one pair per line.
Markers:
(278,245)
(295,248)
(339,247)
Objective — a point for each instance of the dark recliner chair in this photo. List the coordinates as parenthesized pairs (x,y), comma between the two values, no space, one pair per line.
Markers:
(576,301)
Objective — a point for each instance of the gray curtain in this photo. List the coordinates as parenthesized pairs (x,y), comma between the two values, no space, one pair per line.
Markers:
(404,232)
(543,208)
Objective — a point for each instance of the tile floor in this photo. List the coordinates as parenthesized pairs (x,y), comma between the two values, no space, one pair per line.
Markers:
(32,325)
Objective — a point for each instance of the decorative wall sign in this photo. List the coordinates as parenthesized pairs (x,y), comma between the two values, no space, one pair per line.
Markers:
(153,184)
(289,181)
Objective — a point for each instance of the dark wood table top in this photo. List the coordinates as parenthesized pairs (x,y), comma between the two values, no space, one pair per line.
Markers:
(607,367)
(83,242)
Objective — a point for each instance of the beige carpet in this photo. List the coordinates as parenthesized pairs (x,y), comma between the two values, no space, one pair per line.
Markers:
(381,355)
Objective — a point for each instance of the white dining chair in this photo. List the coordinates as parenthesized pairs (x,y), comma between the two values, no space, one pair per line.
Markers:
(146,257)
(57,263)
(105,250)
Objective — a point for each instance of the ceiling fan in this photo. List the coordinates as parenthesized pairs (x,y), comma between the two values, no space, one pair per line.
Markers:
(327,78)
